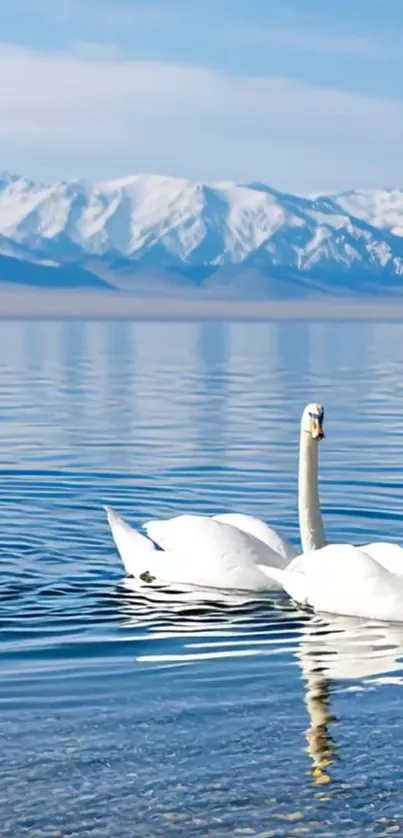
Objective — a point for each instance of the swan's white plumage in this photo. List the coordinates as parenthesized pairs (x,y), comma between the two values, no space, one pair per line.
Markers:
(389,555)
(197,551)
(180,533)
(340,579)
(346,580)
(128,541)
(224,551)
(261,530)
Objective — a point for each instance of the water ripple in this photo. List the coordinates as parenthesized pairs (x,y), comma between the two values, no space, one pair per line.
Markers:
(134,711)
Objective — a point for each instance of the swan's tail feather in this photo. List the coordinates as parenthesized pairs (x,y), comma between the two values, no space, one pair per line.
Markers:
(273,573)
(133,547)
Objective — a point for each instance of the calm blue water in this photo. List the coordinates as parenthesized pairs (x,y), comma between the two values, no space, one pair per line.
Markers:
(122,716)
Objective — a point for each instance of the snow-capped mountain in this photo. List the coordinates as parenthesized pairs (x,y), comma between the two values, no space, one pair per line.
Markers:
(379,207)
(151,234)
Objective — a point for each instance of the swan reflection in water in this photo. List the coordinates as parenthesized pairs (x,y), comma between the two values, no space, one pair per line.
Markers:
(192,610)
(328,649)
(342,649)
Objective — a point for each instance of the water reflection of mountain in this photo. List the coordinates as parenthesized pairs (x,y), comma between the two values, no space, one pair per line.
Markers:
(168,390)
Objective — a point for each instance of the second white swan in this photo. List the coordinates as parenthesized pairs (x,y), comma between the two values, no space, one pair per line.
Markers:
(364,581)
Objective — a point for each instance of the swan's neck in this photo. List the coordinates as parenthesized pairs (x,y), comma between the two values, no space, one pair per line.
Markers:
(310,520)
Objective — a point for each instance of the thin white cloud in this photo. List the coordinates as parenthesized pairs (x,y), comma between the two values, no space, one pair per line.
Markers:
(65,115)
(315,41)
(93,50)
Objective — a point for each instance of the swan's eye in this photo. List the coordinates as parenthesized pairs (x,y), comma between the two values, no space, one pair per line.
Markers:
(317,416)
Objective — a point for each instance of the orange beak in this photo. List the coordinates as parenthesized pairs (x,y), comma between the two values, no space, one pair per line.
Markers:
(318,432)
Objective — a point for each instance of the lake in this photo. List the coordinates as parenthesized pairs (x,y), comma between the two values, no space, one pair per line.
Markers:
(127,714)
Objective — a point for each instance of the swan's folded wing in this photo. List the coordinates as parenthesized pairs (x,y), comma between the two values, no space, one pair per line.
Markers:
(387,554)
(259,529)
(201,535)
(169,533)
(216,554)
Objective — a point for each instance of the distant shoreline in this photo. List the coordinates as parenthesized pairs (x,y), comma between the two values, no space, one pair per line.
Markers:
(52,304)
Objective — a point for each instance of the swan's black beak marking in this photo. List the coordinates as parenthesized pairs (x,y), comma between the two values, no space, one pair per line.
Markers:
(317,425)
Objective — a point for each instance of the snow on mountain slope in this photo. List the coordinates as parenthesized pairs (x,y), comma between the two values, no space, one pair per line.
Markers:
(381,208)
(132,216)
(125,230)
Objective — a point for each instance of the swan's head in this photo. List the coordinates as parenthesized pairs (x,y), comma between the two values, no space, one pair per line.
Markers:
(312,420)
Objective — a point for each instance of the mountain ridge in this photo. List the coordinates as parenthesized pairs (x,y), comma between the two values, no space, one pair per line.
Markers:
(153,234)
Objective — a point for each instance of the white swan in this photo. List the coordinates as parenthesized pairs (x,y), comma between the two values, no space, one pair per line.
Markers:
(364,581)
(225,551)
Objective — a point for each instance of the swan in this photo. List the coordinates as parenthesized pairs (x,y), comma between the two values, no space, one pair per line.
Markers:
(225,551)
(342,579)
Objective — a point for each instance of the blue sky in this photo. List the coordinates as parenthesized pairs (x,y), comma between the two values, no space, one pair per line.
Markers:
(304,95)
